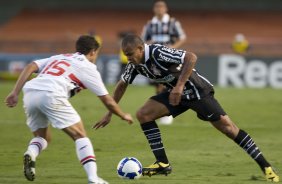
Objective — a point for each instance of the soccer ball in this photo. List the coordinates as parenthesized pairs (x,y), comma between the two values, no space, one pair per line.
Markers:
(129,168)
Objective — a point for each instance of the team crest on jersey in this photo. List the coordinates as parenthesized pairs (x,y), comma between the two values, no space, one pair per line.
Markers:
(155,70)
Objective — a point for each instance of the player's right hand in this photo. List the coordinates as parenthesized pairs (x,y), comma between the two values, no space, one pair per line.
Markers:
(11,100)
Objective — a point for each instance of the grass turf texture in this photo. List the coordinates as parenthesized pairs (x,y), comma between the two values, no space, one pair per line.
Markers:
(199,154)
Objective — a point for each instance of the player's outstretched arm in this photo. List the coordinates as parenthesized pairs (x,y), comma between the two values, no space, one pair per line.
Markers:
(12,99)
(111,104)
(118,93)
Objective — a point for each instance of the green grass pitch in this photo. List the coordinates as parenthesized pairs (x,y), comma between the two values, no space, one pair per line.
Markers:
(199,154)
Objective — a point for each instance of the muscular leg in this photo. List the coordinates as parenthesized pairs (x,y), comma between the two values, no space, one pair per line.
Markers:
(84,149)
(226,126)
(75,131)
(42,137)
(243,139)
(147,115)
(209,108)
(44,133)
(151,111)
(36,145)
(165,120)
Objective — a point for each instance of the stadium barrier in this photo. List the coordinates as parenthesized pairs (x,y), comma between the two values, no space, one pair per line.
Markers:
(224,70)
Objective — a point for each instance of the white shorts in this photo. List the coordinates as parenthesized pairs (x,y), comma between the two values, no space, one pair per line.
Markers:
(42,107)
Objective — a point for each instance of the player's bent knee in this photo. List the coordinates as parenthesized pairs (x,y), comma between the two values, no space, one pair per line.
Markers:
(140,116)
(143,116)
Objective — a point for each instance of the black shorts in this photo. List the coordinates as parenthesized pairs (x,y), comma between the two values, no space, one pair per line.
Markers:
(207,108)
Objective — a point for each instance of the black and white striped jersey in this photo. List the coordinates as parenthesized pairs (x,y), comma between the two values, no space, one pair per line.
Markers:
(162,65)
(164,32)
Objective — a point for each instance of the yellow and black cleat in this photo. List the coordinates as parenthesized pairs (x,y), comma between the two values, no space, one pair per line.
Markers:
(270,175)
(156,169)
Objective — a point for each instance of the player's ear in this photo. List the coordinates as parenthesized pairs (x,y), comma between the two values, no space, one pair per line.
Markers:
(93,52)
(141,47)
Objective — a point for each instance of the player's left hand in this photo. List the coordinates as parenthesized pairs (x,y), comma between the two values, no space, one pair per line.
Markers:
(103,122)
(11,100)
(175,96)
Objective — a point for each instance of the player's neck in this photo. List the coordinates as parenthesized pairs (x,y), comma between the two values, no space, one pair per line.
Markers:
(160,17)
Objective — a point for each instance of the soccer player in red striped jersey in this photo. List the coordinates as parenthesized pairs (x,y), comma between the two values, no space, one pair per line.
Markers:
(46,101)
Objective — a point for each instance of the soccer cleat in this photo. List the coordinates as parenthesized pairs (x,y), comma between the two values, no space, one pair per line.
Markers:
(270,175)
(157,168)
(98,181)
(29,167)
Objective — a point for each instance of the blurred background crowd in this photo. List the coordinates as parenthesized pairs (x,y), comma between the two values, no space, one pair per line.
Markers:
(250,28)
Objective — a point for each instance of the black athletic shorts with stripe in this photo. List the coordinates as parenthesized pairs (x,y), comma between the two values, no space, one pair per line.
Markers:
(207,108)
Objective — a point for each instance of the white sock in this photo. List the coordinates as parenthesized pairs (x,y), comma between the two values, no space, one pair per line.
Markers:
(85,154)
(36,145)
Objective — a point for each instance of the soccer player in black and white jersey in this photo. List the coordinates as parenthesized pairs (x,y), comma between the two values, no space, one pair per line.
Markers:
(165,30)
(187,89)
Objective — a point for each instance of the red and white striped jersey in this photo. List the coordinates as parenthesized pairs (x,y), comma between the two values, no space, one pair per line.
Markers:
(67,74)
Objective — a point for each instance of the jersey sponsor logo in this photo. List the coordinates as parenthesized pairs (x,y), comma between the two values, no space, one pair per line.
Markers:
(167,59)
(172,51)
(165,79)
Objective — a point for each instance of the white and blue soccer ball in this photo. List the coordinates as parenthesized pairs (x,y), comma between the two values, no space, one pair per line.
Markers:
(129,168)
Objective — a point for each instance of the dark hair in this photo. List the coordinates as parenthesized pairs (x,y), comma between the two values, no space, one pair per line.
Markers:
(85,44)
(122,34)
(131,40)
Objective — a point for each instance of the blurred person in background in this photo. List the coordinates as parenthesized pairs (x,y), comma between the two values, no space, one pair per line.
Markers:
(165,30)
(240,44)
(46,100)
(97,37)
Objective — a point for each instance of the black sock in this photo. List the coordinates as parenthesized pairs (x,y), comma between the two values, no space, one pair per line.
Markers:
(245,141)
(153,135)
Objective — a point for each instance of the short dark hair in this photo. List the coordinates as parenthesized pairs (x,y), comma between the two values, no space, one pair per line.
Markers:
(85,44)
(131,40)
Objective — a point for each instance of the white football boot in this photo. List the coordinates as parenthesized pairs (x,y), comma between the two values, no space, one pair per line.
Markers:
(98,181)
